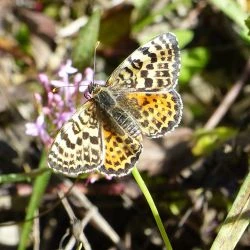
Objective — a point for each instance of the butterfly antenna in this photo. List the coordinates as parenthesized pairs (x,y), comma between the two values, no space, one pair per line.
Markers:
(55,89)
(96,46)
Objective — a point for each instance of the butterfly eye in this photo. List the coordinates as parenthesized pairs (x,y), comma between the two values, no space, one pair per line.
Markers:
(91,87)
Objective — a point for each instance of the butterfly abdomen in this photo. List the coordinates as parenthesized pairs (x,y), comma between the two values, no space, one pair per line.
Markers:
(125,121)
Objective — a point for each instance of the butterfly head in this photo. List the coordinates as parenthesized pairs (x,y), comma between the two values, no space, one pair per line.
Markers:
(92,87)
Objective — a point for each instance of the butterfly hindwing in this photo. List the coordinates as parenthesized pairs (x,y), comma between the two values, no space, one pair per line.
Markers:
(156,113)
(121,151)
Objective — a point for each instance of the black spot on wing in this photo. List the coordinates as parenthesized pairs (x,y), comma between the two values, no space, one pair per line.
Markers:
(148,82)
(135,63)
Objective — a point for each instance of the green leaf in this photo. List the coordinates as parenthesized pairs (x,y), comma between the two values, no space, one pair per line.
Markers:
(23,37)
(192,62)
(83,52)
(110,32)
(207,141)
(146,15)
(142,8)
(248,25)
(233,10)
(152,16)
(52,10)
(184,37)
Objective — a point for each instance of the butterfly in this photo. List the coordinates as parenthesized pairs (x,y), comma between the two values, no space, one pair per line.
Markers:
(139,98)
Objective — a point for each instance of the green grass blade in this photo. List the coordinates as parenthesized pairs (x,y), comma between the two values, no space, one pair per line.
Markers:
(237,220)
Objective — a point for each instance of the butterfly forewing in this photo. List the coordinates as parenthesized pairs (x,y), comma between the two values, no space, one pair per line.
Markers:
(153,67)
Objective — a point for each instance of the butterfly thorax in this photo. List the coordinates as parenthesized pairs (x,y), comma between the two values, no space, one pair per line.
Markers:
(110,105)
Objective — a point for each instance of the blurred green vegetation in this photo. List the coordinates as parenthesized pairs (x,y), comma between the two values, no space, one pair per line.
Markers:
(194,173)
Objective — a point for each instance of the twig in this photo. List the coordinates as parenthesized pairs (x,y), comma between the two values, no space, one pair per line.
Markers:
(97,219)
(36,232)
(193,15)
(229,99)
(72,28)
(66,205)
(77,226)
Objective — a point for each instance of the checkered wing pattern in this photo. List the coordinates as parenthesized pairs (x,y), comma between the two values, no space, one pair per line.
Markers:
(139,98)
(121,151)
(153,67)
(156,113)
(78,147)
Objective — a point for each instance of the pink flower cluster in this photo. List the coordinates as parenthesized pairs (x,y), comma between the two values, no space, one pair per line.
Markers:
(62,96)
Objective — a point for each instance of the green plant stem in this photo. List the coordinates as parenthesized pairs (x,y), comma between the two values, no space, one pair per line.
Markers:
(11,178)
(152,206)
(39,187)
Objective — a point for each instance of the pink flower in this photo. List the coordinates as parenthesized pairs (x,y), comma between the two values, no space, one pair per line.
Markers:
(62,95)
(66,70)
(38,128)
(60,100)
(45,81)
